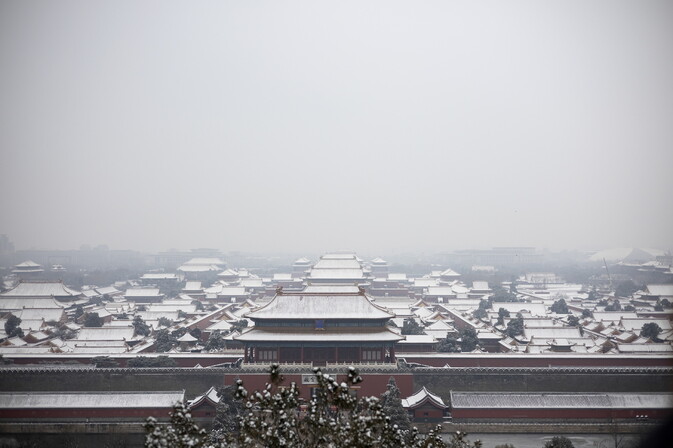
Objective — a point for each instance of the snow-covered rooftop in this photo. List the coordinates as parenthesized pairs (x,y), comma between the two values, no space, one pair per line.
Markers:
(89,400)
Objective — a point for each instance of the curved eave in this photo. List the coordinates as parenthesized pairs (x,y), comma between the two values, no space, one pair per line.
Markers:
(260,335)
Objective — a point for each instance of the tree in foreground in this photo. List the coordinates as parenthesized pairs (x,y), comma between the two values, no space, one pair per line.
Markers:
(181,432)
(391,402)
(559,442)
(228,414)
(277,417)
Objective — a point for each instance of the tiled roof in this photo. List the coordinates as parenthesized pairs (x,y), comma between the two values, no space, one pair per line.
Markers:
(560,401)
(210,396)
(41,289)
(106,333)
(18,303)
(553,333)
(336,273)
(660,290)
(142,292)
(344,334)
(27,264)
(421,397)
(89,400)
(203,261)
(320,306)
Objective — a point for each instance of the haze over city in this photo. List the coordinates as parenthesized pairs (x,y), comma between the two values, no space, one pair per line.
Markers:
(299,126)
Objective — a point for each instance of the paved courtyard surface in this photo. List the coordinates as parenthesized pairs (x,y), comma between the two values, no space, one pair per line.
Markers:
(538,440)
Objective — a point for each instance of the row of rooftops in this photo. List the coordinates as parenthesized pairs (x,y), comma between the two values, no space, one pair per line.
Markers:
(457,400)
(435,301)
(437,321)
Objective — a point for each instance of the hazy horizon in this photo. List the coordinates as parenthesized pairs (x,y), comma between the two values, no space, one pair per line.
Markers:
(304,127)
(364,254)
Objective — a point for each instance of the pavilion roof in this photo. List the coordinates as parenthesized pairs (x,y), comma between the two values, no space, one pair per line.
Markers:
(421,397)
(302,305)
(187,338)
(337,264)
(336,273)
(343,334)
(41,289)
(143,292)
(210,397)
(27,264)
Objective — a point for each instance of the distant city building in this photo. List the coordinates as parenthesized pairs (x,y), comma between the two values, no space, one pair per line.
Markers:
(497,256)
(98,257)
(28,270)
(201,268)
(173,258)
(541,279)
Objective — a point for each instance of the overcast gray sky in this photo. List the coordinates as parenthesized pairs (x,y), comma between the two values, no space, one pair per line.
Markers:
(313,126)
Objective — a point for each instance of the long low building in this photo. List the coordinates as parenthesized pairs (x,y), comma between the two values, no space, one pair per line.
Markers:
(477,406)
(41,407)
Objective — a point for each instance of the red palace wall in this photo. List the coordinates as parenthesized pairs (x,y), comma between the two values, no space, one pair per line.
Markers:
(452,359)
(81,414)
(182,361)
(504,360)
(428,411)
(374,384)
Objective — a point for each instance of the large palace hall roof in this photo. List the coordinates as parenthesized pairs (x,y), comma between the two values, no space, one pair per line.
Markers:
(317,305)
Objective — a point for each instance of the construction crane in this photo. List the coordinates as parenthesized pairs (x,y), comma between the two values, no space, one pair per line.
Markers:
(608,271)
